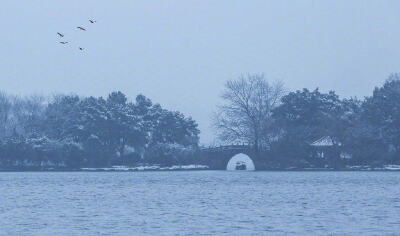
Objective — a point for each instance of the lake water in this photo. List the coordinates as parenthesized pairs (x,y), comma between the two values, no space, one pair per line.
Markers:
(200,203)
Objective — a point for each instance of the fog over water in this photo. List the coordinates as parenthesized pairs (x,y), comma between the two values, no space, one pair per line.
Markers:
(180,53)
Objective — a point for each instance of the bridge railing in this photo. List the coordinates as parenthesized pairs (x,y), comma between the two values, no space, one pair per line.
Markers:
(243,146)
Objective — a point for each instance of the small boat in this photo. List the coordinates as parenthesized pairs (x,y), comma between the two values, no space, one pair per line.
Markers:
(240,165)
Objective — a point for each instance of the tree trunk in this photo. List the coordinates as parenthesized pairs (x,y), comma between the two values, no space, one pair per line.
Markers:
(256,144)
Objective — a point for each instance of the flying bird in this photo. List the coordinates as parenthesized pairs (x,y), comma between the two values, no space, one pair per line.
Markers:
(60,34)
(81,28)
(92,21)
(63,42)
(81,48)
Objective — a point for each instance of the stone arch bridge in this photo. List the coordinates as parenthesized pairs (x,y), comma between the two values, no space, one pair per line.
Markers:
(217,158)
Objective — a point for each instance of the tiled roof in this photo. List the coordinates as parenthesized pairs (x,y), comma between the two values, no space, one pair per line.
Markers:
(323,142)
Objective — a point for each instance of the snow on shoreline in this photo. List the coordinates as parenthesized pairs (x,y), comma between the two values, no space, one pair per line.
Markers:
(148,168)
(385,167)
(204,167)
(392,167)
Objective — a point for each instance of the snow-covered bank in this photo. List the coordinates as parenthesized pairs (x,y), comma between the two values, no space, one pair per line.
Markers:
(366,167)
(195,167)
(392,167)
(347,168)
(148,168)
(204,167)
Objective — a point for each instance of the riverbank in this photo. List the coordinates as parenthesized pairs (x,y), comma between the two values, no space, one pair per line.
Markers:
(347,168)
(192,167)
(112,168)
(149,168)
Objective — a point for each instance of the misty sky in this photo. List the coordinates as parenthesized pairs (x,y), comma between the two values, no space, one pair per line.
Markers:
(180,53)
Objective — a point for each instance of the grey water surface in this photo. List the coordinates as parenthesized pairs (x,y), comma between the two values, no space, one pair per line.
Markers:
(200,203)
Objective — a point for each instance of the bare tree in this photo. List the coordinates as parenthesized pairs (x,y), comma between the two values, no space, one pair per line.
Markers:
(246,113)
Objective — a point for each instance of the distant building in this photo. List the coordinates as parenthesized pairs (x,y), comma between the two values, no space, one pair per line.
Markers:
(326,147)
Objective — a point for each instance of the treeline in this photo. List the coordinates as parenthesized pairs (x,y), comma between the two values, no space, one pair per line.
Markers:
(71,131)
(281,125)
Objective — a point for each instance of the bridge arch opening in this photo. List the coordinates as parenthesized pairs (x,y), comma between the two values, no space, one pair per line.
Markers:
(240,162)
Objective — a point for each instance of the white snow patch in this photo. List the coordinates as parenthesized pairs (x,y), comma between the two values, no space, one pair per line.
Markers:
(144,168)
(392,167)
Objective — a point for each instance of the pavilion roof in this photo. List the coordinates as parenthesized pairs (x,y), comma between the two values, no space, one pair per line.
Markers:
(325,141)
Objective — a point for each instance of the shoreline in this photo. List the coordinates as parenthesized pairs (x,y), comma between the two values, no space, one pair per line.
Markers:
(386,168)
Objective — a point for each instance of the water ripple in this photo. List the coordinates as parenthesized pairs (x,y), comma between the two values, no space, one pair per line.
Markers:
(200,203)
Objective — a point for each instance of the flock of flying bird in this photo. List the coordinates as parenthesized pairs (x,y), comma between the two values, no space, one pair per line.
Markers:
(61,35)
